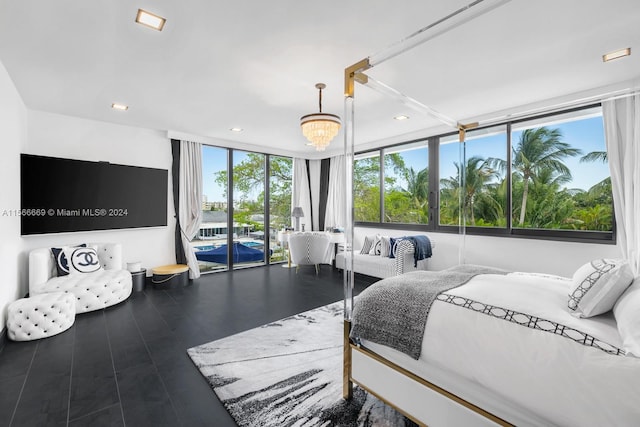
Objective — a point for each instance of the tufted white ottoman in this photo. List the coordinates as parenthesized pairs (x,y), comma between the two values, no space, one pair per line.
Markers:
(41,316)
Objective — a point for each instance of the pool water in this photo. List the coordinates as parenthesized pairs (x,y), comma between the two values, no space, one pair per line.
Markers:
(209,247)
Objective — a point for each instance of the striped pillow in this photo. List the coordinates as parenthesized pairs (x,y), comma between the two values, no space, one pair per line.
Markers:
(366,246)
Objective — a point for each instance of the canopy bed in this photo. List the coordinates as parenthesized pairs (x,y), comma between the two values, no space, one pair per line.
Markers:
(489,347)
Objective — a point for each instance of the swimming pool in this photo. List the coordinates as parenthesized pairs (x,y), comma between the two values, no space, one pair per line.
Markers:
(249,244)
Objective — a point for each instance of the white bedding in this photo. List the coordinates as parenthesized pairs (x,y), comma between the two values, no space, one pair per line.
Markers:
(531,376)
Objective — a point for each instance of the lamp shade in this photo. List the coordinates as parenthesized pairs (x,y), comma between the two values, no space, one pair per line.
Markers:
(297,212)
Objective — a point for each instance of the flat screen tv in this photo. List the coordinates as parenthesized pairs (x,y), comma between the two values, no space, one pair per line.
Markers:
(65,195)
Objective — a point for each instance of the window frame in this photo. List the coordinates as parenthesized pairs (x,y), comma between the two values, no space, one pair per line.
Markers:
(433,144)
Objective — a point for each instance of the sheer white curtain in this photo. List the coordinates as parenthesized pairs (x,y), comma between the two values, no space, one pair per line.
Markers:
(190,214)
(336,211)
(622,131)
(300,195)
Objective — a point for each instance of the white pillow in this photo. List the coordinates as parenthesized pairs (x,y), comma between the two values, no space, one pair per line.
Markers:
(627,314)
(385,246)
(375,247)
(82,260)
(597,285)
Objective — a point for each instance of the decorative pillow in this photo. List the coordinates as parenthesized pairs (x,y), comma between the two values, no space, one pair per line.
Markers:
(393,242)
(375,247)
(385,246)
(627,314)
(597,285)
(61,259)
(366,246)
(82,260)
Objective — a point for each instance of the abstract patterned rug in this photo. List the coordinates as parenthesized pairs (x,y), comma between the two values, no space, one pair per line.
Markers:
(289,373)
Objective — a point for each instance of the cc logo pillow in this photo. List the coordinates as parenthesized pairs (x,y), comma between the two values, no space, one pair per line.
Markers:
(82,260)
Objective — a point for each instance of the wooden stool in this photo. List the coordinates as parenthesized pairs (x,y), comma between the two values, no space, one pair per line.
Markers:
(170,276)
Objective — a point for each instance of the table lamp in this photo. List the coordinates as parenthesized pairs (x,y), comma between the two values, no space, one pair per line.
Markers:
(297,213)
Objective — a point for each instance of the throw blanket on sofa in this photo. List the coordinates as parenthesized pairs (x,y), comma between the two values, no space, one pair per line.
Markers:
(394,311)
(421,248)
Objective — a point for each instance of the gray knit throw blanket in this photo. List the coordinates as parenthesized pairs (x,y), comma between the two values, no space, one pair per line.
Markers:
(394,311)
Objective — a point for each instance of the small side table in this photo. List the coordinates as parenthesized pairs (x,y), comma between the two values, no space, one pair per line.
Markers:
(138,279)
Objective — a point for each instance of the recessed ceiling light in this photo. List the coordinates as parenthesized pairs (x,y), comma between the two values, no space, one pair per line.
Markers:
(617,54)
(150,20)
(401,117)
(120,107)
(236,129)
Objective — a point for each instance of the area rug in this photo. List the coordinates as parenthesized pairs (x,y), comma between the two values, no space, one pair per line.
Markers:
(289,373)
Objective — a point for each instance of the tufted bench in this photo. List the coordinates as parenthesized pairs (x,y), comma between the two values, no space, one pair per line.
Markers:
(40,316)
(92,291)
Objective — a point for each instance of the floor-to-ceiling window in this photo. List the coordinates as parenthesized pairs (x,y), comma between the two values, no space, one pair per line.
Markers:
(248,208)
(212,237)
(280,169)
(240,227)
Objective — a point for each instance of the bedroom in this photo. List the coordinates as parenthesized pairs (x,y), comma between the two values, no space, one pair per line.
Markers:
(36,120)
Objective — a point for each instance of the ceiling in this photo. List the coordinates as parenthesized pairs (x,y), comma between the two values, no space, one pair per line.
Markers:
(253,64)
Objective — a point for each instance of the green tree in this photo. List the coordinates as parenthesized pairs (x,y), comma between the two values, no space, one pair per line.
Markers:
(477,175)
(537,150)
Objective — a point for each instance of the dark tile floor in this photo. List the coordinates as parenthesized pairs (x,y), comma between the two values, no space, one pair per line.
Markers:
(127,364)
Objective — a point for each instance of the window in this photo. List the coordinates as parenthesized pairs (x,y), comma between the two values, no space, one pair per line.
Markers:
(484,169)
(213,228)
(279,203)
(542,177)
(250,208)
(406,184)
(366,187)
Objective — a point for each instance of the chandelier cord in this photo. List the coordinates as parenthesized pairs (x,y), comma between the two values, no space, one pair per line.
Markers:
(320,99)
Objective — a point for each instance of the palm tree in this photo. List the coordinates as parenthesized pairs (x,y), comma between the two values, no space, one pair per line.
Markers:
(418,186)
(539,149)
(477,173)
(595,156)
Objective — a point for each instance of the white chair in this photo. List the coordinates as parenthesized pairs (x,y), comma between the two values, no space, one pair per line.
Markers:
(309,248)
(93,291)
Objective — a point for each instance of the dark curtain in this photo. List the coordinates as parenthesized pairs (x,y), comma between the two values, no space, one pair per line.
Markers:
(324,191)
(175,179)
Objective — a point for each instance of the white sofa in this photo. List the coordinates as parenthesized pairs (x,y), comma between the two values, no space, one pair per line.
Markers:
(93,291)
(383,267)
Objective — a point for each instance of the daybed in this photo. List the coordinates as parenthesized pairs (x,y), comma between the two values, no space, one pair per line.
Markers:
(378,264)
(506,349)
(106,284)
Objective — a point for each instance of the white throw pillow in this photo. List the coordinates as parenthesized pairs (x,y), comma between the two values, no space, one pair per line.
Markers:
(375,247)
(82,260)
(627,314)
(385,246)
(597,285)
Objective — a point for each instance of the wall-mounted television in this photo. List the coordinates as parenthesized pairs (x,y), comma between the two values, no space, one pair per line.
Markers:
(65,195)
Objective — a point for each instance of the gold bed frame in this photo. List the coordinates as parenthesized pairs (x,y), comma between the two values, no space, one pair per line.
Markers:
(355,74)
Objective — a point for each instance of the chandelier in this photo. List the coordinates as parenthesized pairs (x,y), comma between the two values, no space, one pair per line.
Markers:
(320,128)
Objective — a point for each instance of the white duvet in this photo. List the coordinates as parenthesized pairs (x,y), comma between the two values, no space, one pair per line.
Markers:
(531,376)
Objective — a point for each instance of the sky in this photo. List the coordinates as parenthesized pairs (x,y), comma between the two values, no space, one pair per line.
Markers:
(586,134)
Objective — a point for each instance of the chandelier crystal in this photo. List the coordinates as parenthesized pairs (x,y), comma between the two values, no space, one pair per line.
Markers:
(320,128)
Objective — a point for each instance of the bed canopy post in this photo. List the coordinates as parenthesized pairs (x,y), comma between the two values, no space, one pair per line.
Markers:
(355,73)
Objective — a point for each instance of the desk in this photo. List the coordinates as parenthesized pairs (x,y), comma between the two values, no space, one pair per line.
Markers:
(336,239)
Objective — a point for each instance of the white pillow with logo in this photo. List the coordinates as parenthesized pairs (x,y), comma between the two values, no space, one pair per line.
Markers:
(597,285)
(376,245)
(82,260)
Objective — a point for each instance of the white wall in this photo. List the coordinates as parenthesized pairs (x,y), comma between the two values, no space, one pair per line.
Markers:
(70,137)
(514,254)
(13,131)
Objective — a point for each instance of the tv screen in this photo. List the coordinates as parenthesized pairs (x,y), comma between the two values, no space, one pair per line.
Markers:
(65,195)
